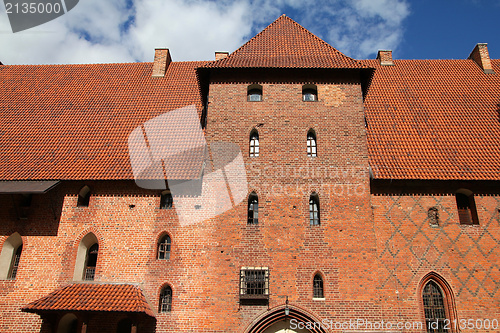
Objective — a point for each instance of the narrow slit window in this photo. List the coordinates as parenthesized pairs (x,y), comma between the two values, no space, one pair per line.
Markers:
(314,210)
(165,300)
(164,248)
(253,209)
(254,144)
(311,144)
(15,263)
(91,262)
(318,287)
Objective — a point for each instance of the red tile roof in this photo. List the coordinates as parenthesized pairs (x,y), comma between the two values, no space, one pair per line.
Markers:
(434,119)
(93,297)
(285,43)
(73,121)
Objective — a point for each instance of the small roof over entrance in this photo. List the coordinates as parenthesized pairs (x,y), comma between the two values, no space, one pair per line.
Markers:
(93,297)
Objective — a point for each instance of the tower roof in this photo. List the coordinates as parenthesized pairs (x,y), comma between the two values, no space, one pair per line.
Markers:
(286,44)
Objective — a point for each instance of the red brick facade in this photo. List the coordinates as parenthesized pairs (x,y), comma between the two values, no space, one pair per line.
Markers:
(376,247)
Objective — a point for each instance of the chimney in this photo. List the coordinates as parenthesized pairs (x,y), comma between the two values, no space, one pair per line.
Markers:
(221,55)
(162,60)
(385,57)
(481,57)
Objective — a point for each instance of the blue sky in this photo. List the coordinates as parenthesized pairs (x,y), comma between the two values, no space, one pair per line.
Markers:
(97,31)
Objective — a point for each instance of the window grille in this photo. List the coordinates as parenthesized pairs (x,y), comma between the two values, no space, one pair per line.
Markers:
(318,287)
(254,283)
(434,308)
(165,300)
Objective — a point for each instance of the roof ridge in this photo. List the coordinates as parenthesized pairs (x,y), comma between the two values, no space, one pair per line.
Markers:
(284,17)
(284,34)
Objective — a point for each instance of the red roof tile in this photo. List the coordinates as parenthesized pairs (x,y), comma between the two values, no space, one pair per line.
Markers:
(285,43)
(434,119)
(73,121)
(93,297)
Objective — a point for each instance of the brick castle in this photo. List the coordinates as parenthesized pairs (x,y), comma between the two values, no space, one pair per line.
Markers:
(311,191)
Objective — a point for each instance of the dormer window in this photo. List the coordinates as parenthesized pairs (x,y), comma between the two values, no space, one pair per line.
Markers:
(254,93)
(309,93)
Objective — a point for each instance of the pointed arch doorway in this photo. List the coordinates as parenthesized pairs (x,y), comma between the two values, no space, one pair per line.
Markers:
(276,320)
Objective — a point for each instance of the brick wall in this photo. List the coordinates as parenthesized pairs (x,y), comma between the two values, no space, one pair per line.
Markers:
(409,248)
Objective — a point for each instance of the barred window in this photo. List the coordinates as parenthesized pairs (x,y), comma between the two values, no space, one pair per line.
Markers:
(91,262)
(434,309)
(165,304)
(254,144)
(253,208)
(15,263)
(467,213)
(314,209)
(166,201)
(311,144)
(254,283)
(318,287)
(164,248)
(84,197)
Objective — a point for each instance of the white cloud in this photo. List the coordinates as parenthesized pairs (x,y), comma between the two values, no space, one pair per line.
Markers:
(193,29)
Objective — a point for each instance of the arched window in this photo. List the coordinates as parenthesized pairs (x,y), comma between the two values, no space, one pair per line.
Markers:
(311,144)
(91,262)
(84,197)
(166,200)
(10,257)
(164,248)
(68,324)
(86,258)
(434,307)
(309,93)
(314,209)
(254,93)
(254,143)
(318,287)
(466,206)
(253,209)
(165,304)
